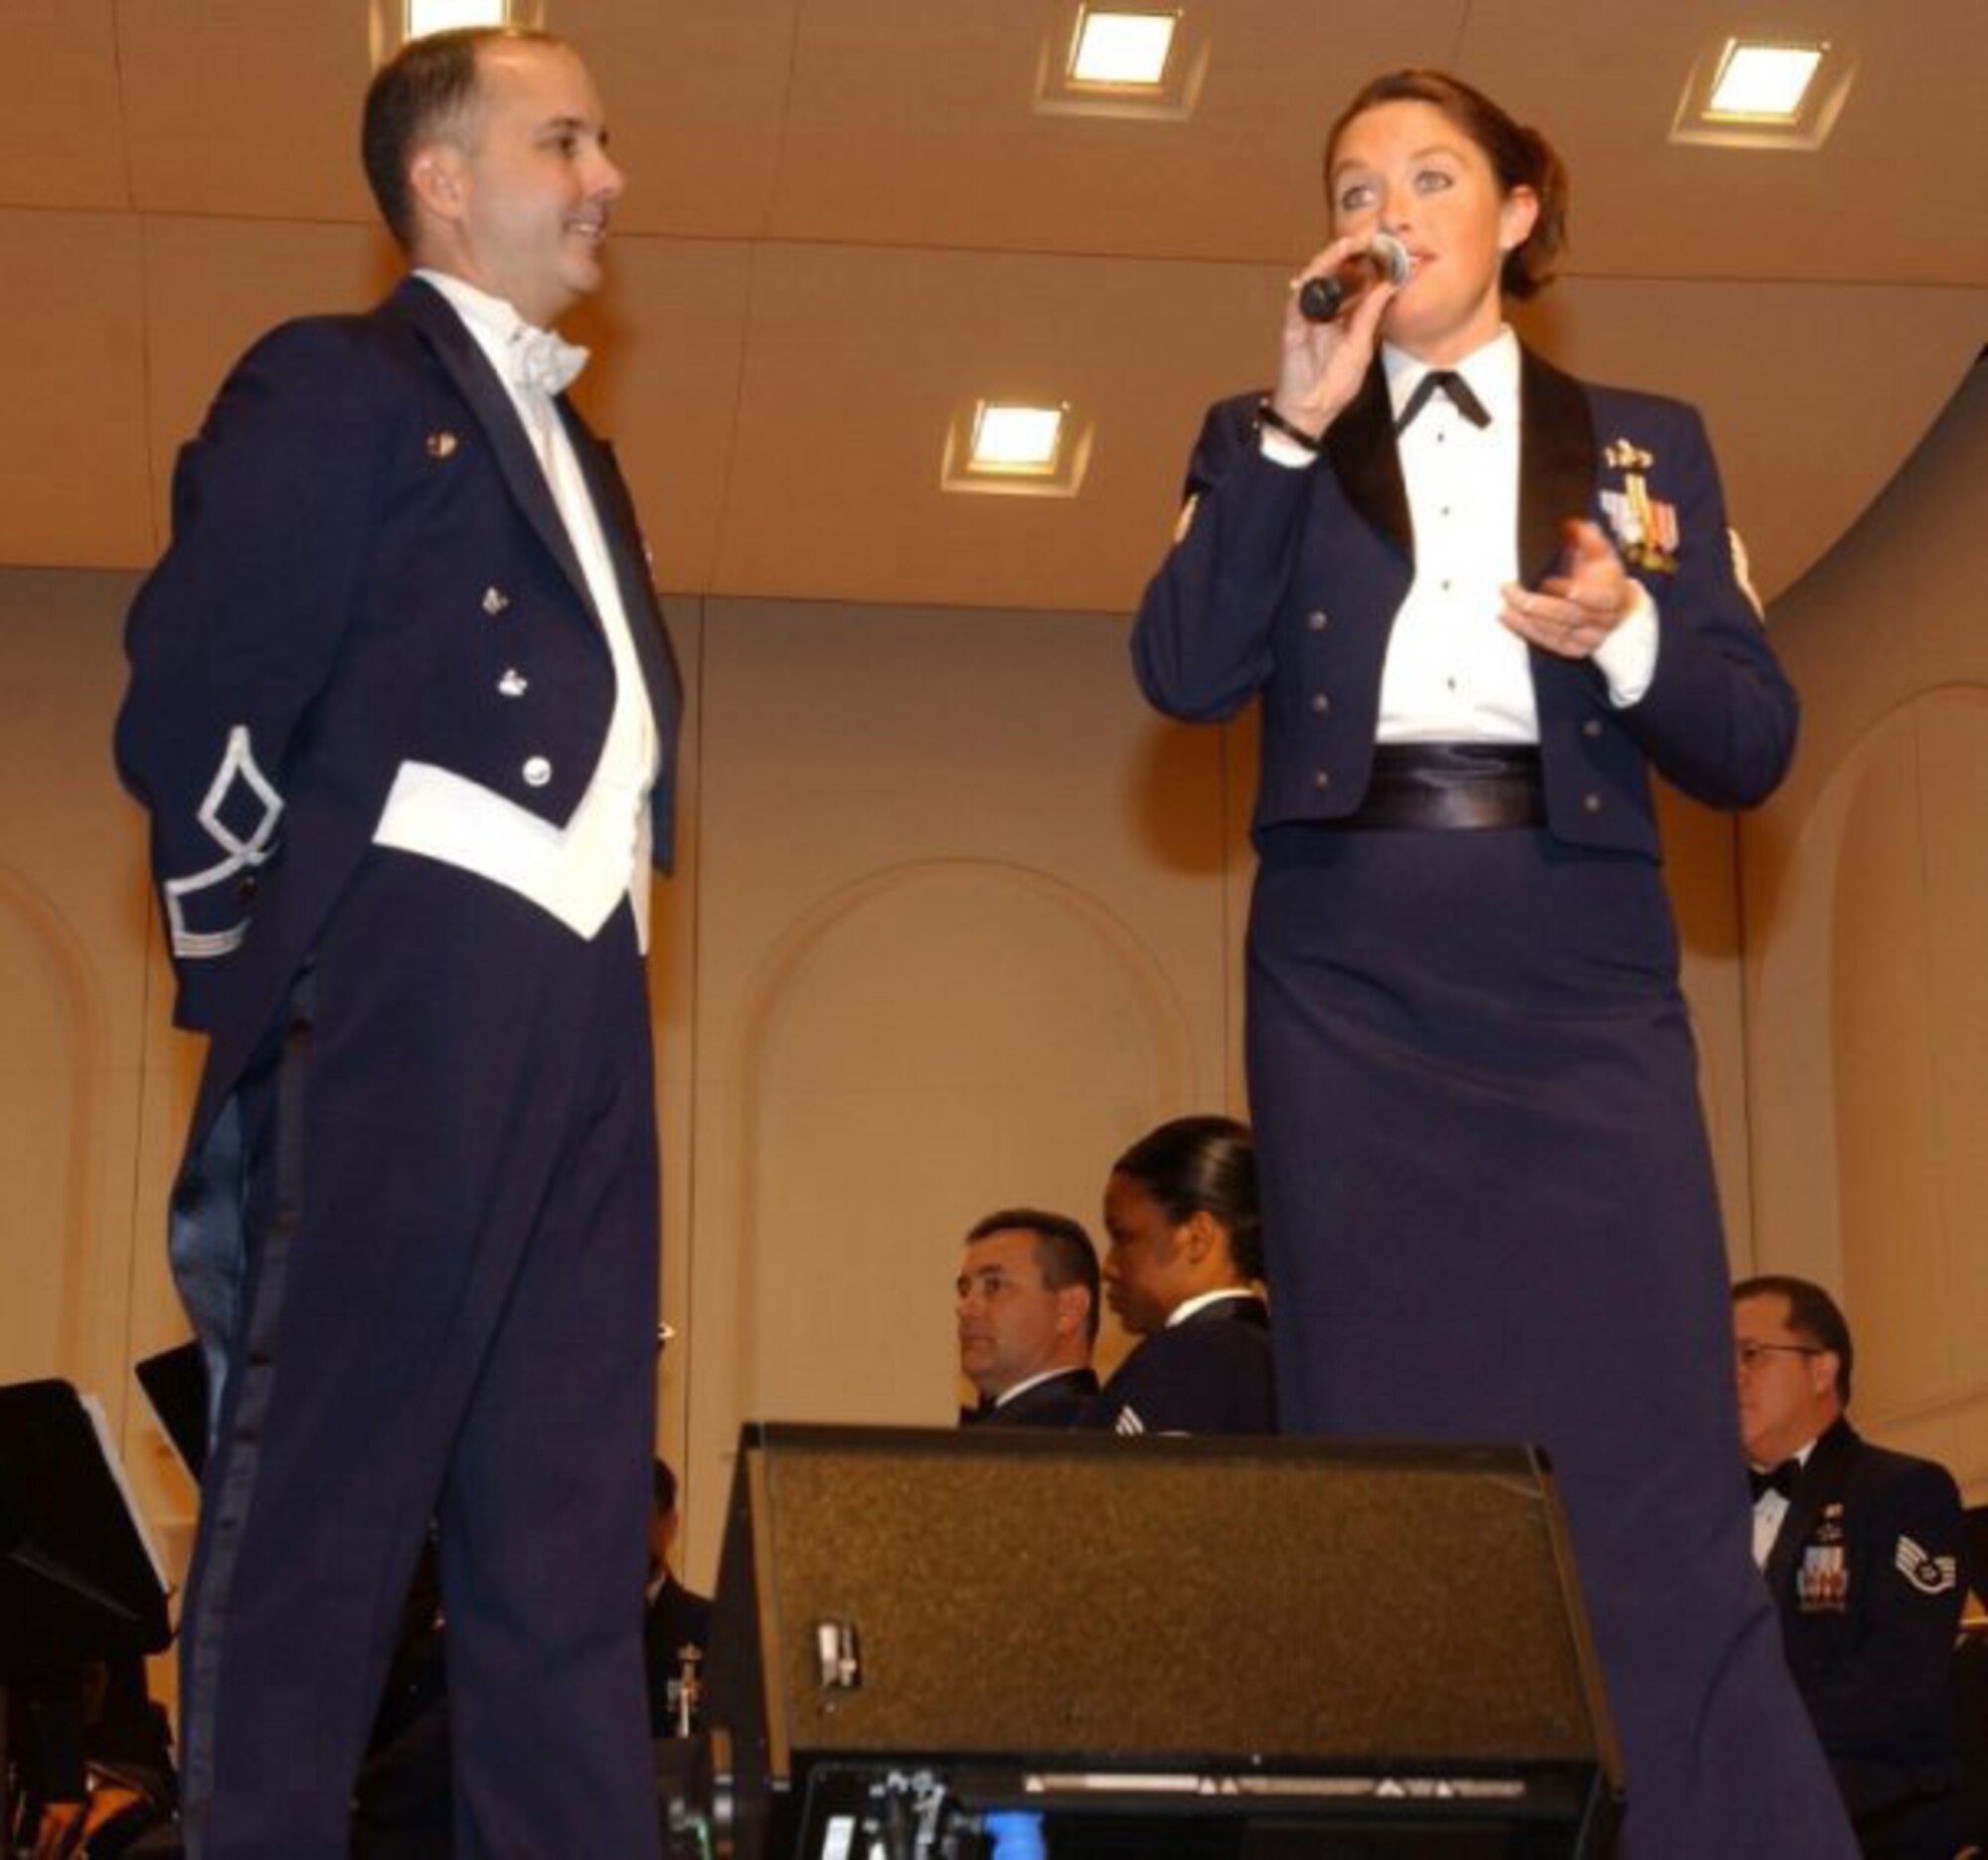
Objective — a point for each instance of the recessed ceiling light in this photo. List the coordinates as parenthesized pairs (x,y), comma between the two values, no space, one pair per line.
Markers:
(1122,49)
(1764,82)
(1134,62)
(1008,438)
(432,16)
(1765,93)
(1016,448)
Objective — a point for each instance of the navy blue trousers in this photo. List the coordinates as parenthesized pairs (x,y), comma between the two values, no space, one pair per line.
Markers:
(449,1310)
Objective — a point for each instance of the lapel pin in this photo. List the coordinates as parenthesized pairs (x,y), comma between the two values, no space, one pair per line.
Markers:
(443,445)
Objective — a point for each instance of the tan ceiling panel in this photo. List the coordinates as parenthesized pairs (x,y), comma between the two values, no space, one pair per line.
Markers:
(1898,193)
(73,490)
(61,143)
(666,338)
(247,108)
(696,94)
(1815,393)
(915,125)
(214,285)
(858,359)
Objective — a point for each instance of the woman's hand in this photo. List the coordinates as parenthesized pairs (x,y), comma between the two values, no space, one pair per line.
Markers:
(1574,613)
(1323,363)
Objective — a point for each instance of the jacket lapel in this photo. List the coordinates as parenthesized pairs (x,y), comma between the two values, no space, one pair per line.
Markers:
(467,365)
(1556,462)
(1361,445)
(632,571)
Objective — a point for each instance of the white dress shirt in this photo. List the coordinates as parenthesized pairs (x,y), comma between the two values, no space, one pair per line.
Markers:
(1454,673)
(1769,1509)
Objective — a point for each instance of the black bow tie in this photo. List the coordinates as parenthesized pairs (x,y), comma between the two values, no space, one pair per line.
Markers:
(1451,384)
(1779,1478)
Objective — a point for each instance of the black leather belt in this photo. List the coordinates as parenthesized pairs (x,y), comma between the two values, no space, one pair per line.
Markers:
(1447,787)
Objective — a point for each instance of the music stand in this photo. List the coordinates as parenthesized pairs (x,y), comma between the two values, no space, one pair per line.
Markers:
(175,1383)
(78,1582)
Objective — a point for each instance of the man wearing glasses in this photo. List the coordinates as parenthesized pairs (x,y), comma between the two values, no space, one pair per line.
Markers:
(1862,1548)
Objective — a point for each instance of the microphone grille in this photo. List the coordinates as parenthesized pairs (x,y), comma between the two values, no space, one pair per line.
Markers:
(1392,257)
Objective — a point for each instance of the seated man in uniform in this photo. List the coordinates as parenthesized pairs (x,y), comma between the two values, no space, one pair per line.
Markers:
(1862,1548)
(1181,1271)
(1027,1314)
(676,1626)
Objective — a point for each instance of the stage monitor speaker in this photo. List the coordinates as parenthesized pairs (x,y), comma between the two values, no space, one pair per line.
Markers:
(1376,1648)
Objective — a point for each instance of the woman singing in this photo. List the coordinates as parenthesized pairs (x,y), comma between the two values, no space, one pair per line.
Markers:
(1480,600)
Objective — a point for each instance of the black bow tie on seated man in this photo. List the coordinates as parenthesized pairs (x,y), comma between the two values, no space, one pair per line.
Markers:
(1779,1478)
(1452,383)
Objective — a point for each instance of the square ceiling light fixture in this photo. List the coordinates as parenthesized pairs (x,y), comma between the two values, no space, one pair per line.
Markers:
(1121,60)
(396,23)
(1765,93)
(1015,448)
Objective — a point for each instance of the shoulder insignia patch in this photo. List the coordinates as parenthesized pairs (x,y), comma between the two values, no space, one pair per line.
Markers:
(1930,1576)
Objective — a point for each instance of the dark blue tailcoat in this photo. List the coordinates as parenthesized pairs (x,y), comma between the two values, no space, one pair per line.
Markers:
(1488,1203)
(416,1222)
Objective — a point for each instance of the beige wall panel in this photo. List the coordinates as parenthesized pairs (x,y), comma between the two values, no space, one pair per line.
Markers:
(1883,1007)
(696,94)
(247,107)
(73,487)
(667,338)
(213,287)
(1605,81)
(1871,1113)
(673,1021)
(1800,464)
(944,1039)
(1953,779)
(968,159)
(960,937)
(74,1005)
(1864,884)
(62,139)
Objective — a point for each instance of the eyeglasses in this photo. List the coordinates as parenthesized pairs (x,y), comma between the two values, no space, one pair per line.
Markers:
(1748,1355)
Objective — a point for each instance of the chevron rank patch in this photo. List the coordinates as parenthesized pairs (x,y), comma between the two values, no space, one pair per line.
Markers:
(1930,1576)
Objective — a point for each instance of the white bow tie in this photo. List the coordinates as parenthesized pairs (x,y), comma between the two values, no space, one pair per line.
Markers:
(545,361)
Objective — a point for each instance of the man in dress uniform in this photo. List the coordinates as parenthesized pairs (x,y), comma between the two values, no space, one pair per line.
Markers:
(404,715)
(1203,1365)
(1027,1315)
(1862,1548)
(676,1626)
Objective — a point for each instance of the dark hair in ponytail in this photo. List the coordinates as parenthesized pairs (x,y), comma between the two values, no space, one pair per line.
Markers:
(1203,1165)
(1519,157)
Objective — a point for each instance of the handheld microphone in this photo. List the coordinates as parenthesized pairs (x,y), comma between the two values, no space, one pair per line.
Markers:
(1321,299)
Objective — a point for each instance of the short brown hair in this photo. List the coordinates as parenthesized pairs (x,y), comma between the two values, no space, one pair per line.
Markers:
(423,92)
(1063,1253)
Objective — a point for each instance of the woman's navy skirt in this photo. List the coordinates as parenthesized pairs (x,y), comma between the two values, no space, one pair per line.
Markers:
(1489,1215)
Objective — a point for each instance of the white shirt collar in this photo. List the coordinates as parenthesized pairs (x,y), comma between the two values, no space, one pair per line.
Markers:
(493,321)
(1799,1457)
(1188,1306)
(1041,1376)
(1491,370)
